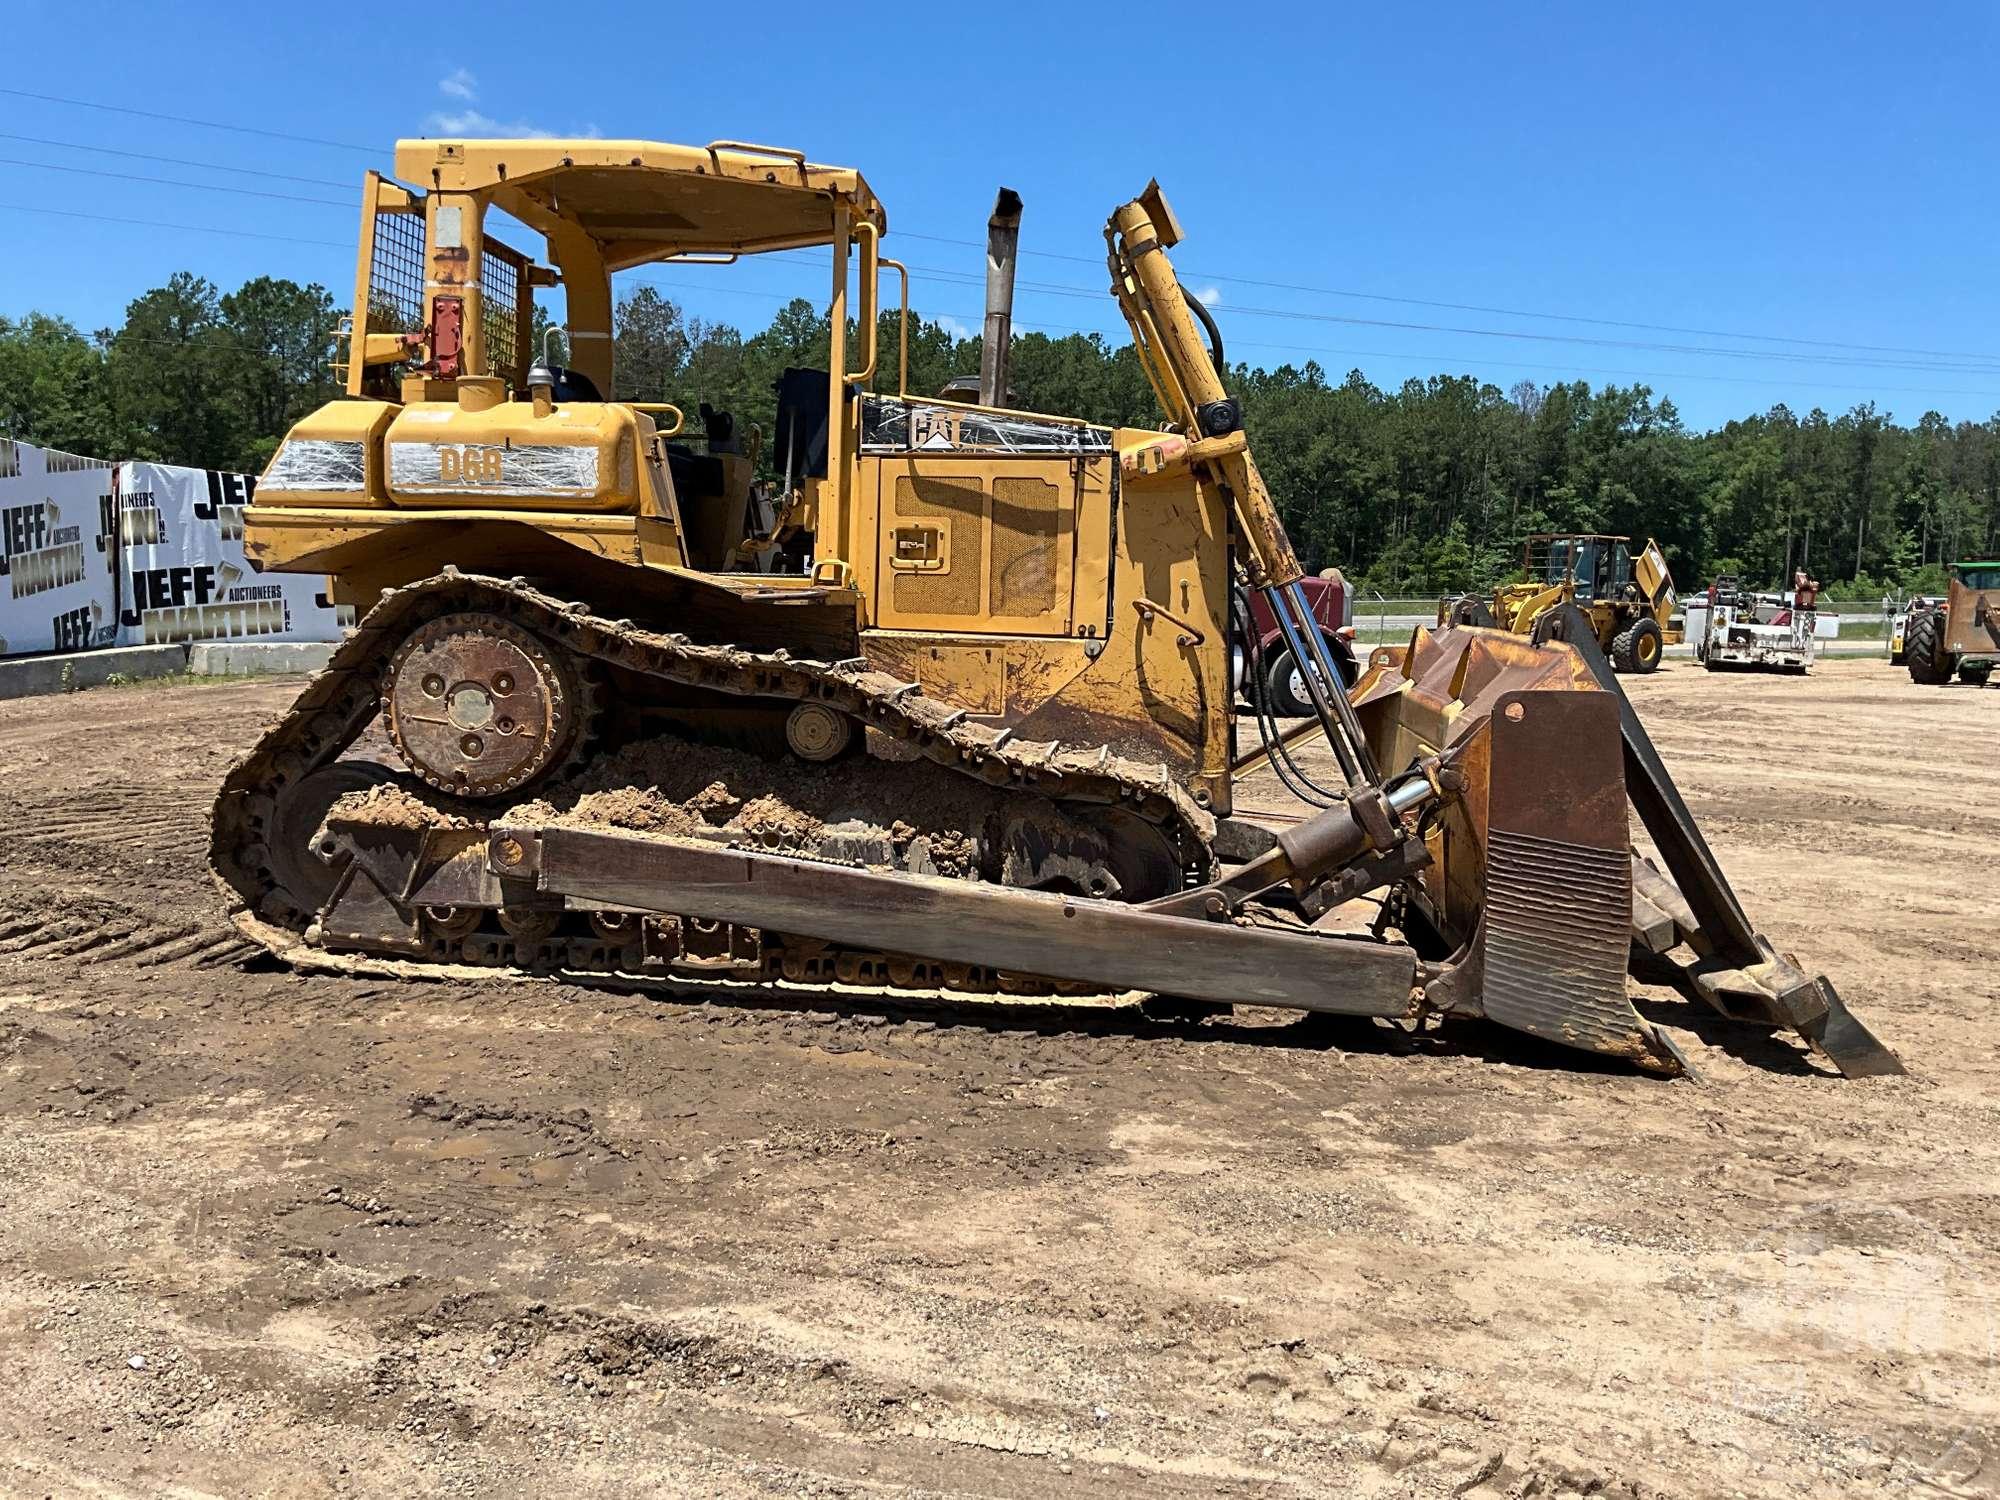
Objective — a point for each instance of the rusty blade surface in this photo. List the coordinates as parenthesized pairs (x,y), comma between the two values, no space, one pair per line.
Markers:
(1559,877)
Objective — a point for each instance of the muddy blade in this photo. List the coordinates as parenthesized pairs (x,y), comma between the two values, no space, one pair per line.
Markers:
(1738,972)
(1532,872)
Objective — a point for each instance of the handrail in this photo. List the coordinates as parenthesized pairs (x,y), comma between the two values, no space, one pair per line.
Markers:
(870,297)
(680,419)
(751,148)
(1190,634)
(902,327)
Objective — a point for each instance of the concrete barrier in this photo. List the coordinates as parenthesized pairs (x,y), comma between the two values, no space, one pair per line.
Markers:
(257,658)
(30,676)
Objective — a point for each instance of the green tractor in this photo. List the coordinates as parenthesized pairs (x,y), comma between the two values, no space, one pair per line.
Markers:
(1960,637)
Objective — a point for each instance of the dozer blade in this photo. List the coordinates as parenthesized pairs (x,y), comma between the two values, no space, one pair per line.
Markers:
(1738,971)
(1533,874)
(1558,913)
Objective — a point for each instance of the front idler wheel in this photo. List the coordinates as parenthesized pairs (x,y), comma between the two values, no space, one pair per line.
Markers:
(305,879)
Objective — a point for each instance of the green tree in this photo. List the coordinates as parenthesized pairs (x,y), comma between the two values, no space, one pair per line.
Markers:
(52,387)
(282,360)
(174,378)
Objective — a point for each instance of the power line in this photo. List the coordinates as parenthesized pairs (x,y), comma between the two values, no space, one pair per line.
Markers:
(1414,357)
(1508,312)
(1063,289)
(147,114)
(1067,329)
(1984,364)
(239,234)
(1983,360)
(205,187)
(174,161)
(942,277)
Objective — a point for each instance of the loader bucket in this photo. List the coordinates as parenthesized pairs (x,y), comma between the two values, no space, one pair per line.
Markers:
(1534,879)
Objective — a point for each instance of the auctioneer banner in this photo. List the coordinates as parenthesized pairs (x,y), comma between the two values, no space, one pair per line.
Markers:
(58,551)
(186,578)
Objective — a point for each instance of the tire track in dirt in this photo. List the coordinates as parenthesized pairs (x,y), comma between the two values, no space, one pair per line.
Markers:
(996,1248)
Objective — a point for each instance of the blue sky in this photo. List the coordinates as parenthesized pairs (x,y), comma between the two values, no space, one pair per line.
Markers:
(1801,173)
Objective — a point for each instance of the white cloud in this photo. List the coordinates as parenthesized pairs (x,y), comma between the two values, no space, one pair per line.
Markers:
(470,122)
(462,86)
(953,327)
(1208,296)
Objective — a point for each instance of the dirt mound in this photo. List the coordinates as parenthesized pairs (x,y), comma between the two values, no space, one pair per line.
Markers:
(400,807)
(271,1232)
(865,810)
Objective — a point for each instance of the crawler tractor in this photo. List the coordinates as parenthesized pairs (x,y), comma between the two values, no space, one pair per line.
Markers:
(908,693)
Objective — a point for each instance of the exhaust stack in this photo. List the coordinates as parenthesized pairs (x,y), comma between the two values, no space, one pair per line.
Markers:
(1003,235)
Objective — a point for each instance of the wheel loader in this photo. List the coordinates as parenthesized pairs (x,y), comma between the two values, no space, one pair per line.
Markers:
(908,693)
(1628,598)
(1959,635)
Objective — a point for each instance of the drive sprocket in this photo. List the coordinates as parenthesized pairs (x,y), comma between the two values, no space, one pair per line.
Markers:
(479,707)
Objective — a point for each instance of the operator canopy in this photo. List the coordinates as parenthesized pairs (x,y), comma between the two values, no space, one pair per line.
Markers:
(644,201)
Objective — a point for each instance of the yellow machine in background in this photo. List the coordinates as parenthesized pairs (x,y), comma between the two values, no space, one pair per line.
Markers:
(952,681)
(1628,598)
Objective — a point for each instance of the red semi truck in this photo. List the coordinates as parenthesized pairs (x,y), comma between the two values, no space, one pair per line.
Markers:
(1279,679)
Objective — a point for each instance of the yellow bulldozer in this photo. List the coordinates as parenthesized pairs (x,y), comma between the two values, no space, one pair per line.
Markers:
(911,693)
(1628,597)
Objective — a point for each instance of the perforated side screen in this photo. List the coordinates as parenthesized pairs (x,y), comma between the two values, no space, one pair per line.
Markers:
(396,273)
(1025,522)
(505,320)
(958,506)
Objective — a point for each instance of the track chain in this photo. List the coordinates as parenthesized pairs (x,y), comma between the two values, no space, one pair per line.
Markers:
(338,704)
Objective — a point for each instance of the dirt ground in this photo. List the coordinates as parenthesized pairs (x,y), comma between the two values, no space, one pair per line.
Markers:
(263,1233)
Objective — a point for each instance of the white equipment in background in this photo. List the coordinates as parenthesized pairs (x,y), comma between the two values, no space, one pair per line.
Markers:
(1734,627)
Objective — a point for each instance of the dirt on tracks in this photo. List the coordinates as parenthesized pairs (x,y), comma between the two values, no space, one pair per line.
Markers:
(264,1233)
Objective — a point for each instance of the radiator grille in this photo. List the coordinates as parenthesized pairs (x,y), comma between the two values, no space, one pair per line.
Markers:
(1026,517)
(396,272)
(504,319)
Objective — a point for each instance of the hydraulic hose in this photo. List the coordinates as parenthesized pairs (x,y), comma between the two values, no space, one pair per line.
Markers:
(1290,773)
(1207,320)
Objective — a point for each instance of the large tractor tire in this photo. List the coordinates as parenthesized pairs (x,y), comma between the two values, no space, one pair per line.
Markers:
(1923,648)
(1639,648)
